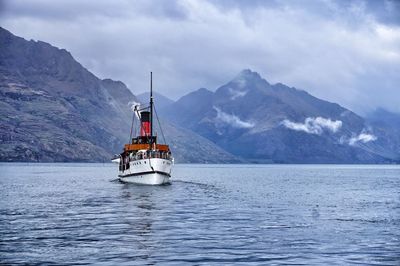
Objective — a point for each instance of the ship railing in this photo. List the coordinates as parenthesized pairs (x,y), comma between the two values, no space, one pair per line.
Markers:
(150,155)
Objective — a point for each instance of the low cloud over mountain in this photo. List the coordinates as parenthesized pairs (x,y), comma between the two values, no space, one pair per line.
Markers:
(231,119)
(314,125)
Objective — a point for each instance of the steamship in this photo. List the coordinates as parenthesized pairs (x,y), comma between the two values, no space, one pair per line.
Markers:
(144,160)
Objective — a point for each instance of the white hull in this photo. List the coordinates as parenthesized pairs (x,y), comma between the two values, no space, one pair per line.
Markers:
(154,171)
(146,179)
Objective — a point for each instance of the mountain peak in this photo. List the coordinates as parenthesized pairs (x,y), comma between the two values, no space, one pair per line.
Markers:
(248,76)
(203,91)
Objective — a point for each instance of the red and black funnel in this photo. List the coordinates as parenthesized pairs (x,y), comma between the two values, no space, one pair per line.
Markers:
(145,125)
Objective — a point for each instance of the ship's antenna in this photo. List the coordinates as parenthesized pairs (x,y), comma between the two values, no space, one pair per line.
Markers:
(151,106)
(133,121)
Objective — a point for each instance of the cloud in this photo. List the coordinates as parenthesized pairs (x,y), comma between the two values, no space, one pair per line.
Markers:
(231,119)
(342,51)
(236,94)
(313,125)
(363,137)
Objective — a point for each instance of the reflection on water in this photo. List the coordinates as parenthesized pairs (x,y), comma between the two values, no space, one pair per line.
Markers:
(73,214)
(142,206)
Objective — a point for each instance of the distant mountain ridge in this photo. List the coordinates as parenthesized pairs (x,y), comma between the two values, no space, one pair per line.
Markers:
(53,109)
(261,122)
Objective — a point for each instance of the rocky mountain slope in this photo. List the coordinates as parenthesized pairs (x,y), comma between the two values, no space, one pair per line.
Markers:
(263,122)
(53,109)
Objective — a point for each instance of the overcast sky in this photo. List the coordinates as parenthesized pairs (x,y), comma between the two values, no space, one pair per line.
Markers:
(342,51)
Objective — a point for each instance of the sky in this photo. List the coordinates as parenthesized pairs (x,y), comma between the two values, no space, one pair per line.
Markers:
(341,51)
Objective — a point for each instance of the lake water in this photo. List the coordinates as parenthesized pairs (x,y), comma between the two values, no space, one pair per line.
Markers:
(211,214)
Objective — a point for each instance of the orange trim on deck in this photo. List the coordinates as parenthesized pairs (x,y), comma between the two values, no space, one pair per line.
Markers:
(162,147)
(136,147)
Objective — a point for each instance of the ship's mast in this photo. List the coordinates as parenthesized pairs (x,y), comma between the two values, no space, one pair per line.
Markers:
(151,106)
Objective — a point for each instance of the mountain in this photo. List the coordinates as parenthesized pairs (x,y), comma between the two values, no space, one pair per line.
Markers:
(53,109)
(263,122)
(385,118)
(161,100)
(387,126)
